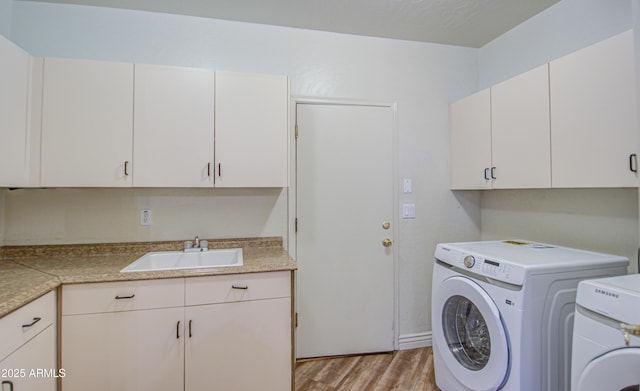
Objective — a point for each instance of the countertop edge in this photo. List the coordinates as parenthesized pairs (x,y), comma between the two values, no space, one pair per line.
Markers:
(52,263)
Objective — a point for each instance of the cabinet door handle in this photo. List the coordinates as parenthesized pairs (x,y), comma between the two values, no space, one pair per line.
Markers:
(35,320)
(178,330)
(633,162)
(245,287)
(486,173)
(208,169)
(190,320)
(125,297)
(10,383)
(493,173)
(219,169)
(126,168)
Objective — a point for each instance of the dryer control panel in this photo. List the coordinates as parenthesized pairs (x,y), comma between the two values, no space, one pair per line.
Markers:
(497,269)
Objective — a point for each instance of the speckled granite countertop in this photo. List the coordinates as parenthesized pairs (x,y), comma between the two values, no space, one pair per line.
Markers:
(28,272)
(20,285)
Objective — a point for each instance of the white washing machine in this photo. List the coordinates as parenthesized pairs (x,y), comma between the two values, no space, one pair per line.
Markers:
(502,313)
(606,336)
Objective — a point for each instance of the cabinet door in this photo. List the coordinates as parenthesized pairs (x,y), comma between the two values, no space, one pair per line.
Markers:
(124,351)
(239,346)
(252,136)
(593,116)
(87,123)
(14,87)
(520,132)
(33,366)
(173,128)
(470,122)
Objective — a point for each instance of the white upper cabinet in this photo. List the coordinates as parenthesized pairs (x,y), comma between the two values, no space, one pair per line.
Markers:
(184,127)
(173,127)
(470,121)
(500,136)
(251,130)
(570,123)
(87,123)
(14,95)
(520,133)
(593,116)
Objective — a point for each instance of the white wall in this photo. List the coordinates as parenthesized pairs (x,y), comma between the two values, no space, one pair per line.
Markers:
(603,220)
(596,219)
(37,216)
(561,29)
(5,30)
(421,78)
(5,17)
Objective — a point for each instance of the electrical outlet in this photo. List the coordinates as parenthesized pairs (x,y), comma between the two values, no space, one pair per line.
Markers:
(146,217)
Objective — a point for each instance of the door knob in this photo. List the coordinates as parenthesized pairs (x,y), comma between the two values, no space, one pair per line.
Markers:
(387,242)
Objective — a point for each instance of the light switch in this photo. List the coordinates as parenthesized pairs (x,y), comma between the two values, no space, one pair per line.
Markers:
(406,185)
(408,211)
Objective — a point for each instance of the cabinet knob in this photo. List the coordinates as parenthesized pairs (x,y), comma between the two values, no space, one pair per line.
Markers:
(387,242)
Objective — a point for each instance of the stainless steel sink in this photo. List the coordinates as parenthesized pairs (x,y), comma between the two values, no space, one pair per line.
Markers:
(177,260)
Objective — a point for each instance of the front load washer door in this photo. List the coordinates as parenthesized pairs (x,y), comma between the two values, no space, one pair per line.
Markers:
(470,334)
(617,370)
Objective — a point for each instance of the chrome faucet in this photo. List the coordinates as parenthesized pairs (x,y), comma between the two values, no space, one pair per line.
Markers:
(196,246)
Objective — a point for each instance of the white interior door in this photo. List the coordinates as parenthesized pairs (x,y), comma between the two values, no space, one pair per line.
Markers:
(345,184)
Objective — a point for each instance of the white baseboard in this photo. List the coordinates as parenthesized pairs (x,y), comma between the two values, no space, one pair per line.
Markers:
(413,341)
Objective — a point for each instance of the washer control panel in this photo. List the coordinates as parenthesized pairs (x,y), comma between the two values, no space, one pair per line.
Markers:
(498,269)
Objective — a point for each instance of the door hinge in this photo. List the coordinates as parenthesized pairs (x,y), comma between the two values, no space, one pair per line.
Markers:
(295,320)
(296,131)
(296,225)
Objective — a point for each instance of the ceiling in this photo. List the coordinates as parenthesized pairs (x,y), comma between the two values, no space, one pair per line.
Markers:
(471,23)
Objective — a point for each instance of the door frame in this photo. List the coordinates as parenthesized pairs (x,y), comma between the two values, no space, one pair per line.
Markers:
(292,190)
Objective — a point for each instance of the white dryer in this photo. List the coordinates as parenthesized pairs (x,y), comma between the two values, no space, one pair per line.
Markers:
(606,337)
(502,313)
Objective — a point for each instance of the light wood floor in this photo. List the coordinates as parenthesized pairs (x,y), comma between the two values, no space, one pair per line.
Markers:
(405,370)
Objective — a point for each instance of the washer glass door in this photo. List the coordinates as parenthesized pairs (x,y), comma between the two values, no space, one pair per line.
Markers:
(470,335)
(466,332)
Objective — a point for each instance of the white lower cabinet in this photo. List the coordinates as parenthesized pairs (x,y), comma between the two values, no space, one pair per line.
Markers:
(244,341)
(239,346)
(127,351)
(33,366)
(28,348)
(229,332)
